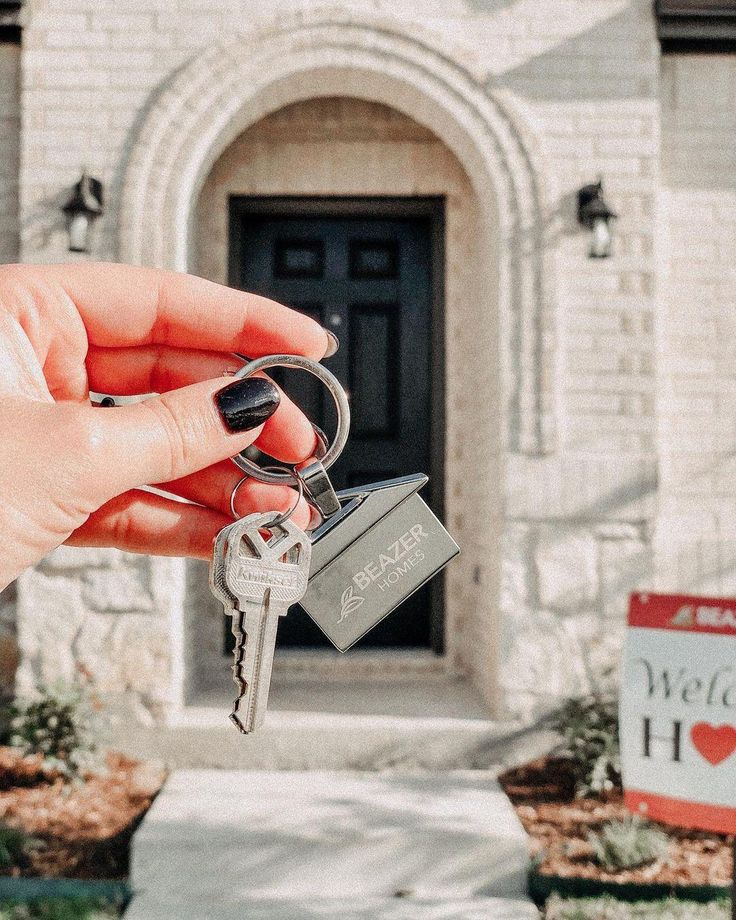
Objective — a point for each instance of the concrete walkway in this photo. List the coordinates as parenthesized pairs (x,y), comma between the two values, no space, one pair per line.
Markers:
(220,845)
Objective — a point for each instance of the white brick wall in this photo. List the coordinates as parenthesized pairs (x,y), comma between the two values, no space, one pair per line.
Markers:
(9,150)
(581,77)
(586,76)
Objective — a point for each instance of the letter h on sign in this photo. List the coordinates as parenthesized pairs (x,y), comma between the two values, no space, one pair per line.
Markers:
(674,739)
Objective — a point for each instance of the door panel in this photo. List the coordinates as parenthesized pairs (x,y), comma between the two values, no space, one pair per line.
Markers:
(374,370)
(368,279)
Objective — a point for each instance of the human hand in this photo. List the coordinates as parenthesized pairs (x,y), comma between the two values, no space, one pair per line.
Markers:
(71,473)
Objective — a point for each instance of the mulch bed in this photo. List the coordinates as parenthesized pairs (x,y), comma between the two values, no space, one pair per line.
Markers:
(543,794)
(83,829)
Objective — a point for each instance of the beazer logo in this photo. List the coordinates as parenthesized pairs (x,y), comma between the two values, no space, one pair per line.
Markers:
(704,615)
(389,567)
(685,616)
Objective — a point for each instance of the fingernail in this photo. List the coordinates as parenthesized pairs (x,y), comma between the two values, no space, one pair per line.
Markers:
(246,404)
(333,345)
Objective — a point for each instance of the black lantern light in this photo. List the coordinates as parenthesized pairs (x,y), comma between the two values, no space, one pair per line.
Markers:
(84,206)
(594,213)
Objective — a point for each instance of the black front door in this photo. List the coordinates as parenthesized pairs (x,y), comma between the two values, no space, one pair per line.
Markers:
(368,278)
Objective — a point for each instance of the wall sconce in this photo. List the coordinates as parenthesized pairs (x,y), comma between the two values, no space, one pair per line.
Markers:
(594,213)
(84,206)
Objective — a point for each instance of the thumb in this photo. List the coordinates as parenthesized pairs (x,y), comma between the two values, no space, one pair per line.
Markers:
(182,431)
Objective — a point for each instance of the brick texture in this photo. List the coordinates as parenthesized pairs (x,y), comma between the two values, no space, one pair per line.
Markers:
(696,530)
(9,151)
(624,363)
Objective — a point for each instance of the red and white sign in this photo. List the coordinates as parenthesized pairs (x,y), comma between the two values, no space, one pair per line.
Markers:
(678,710)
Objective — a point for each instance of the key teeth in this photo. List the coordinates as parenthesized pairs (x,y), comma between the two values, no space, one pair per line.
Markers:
(238,651)
(235,719)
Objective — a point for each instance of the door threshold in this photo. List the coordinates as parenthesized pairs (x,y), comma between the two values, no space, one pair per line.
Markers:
(315,695)
(375,663)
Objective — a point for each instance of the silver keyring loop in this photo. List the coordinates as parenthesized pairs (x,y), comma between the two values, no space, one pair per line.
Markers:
(281,518)
(341,405)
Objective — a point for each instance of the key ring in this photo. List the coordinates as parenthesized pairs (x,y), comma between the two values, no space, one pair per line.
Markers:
(341,405)
(281,518)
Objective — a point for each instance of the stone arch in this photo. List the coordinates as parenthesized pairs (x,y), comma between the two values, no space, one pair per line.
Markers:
(227,88)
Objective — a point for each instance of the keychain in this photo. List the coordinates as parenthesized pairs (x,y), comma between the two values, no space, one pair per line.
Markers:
(376,546)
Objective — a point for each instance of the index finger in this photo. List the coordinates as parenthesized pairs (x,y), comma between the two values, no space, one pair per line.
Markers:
(128,305)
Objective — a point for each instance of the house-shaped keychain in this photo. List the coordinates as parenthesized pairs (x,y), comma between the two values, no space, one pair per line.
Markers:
(381,546)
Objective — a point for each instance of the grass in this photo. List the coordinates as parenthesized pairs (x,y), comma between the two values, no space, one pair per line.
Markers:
(610,909)
(59,909)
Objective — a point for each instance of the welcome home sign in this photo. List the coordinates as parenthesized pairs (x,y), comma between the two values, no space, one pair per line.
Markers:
(678,710)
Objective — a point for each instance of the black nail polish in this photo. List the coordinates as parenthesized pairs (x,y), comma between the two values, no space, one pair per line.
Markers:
(245,404)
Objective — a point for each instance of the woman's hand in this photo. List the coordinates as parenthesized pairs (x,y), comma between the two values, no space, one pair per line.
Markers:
(71,472)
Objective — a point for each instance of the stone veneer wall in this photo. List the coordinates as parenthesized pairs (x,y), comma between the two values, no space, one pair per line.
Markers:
(574,519)
(106,616)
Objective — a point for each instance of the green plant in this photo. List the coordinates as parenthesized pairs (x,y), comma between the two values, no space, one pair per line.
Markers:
(607,908)
(14,844)
(604,908)
(58,724)
(628,844)
(8,711)
(60,909)
(590,741)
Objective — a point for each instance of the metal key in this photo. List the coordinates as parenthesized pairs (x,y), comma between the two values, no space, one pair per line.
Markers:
(218,585)
(257,579)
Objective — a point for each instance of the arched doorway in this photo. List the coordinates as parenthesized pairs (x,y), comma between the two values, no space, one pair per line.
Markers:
(320,175)
(493,362)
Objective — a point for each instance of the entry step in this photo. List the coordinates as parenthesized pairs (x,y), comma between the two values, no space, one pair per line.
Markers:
(430,722)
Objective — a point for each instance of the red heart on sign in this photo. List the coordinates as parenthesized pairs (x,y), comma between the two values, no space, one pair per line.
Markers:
(715,743)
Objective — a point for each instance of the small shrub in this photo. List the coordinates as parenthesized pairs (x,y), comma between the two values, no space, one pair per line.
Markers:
(57,724)
(14,844)
(607,908)
(628,844)
(586,909)
(589,729)
(60,909)
(8,712)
